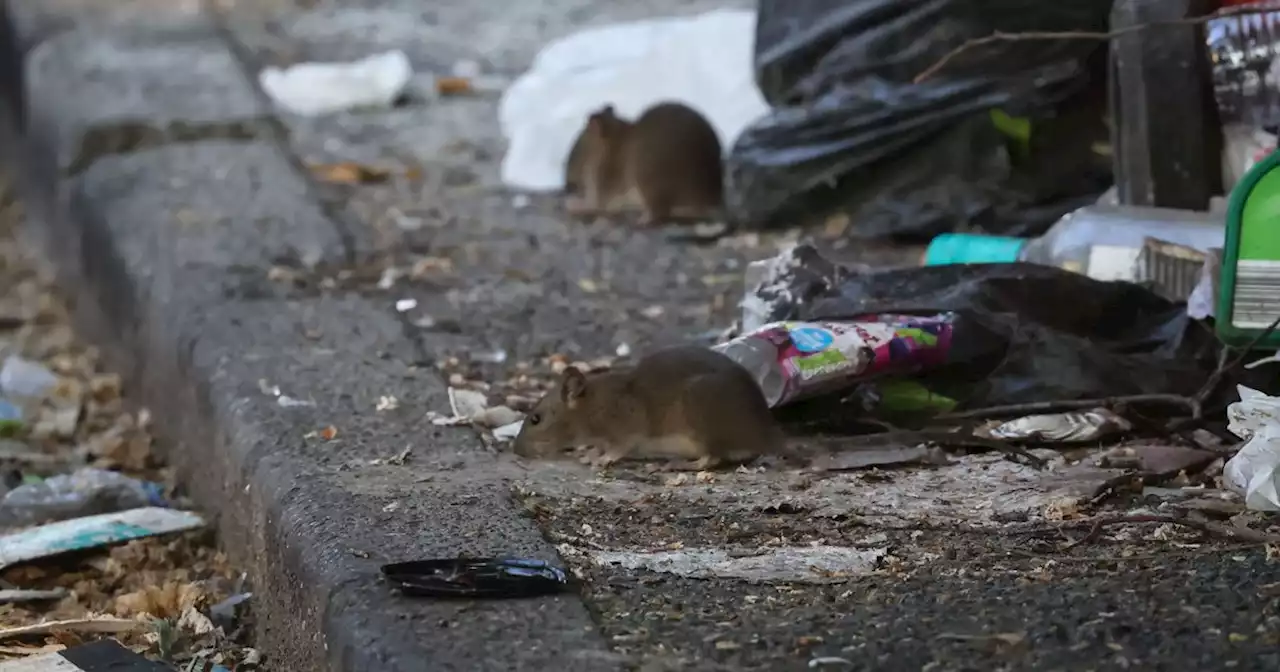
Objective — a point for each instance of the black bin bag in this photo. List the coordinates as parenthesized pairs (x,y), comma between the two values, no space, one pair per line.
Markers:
(851,131)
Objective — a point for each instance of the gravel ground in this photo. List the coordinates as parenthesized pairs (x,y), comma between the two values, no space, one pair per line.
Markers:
(167,584)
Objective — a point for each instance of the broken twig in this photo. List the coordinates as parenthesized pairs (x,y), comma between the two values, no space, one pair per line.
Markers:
(1072,405)
(945,438)
(996,37)
(105,626)
(1096,524)
(1224,367)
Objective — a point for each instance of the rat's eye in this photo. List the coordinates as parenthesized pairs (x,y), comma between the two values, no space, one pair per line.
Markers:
(535,419)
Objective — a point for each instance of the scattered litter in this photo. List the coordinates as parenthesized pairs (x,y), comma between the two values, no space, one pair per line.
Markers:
(406,305)
(228,612)
(313,89)
(1156,458)
(472,408)
(285,401)
(350,172)
(103,654)
(1255,471)
(28,652)
(92,532)
(105,625)
(401,457)
(495,357)
(1059,427)
(653,312)
(85,492)
(389,277)
(387,403)
(466,404)
(704,61)
(810,564)
(17,451)
(476,577)
(267,388)
(194,621)
(10,418)
(496,416)
(58,422)
(828,660)
(21,377)
(623,350)
(508,432)
(842,460)
(328,433)
(15,595)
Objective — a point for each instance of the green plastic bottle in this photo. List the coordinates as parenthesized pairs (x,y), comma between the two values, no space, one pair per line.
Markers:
(1249,283)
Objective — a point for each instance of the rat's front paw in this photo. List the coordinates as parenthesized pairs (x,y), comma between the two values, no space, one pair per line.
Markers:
(707,462)
(578,206)
(605,459)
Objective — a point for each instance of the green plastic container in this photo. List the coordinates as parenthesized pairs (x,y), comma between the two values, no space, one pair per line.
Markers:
(1249,283)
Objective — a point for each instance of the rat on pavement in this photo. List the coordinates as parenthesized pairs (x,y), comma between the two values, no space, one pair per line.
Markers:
(688,402)
(682,402)
(667,164)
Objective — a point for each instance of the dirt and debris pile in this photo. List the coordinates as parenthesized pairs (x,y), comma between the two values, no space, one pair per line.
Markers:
(93,539)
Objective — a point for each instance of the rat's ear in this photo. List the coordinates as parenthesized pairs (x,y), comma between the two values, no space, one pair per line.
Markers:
(600,121)
(573,385)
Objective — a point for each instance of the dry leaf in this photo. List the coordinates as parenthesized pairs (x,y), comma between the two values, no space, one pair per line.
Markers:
(349,172)
(329,433)
(451,86)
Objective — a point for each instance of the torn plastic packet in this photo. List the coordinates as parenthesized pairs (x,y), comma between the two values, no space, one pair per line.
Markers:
(1082,427)
(796,360)
(476,577)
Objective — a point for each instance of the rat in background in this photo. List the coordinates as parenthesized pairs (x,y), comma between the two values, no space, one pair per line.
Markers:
(666,164)
(683,402)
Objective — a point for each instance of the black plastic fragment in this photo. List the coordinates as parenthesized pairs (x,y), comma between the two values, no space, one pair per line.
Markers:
(496,578)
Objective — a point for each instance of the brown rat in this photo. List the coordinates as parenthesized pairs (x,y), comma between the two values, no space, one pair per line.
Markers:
(694,403)
(667,164)
(682,402)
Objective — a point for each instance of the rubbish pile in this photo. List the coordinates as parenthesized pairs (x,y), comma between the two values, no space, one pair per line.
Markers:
(94,541)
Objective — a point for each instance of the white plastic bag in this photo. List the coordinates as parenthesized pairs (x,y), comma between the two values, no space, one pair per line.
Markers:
(1255,471)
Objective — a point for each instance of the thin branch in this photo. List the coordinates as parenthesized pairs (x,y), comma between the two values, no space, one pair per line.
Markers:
(1211,385)
(1081,35)
(1072,405)
(1096,524)
(945,438)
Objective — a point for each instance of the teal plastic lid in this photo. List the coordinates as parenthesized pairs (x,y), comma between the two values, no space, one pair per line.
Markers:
(972,248)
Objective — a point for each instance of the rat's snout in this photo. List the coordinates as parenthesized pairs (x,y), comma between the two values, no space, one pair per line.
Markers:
(527,446)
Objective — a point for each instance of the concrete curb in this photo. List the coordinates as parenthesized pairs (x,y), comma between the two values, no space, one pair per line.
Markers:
(161,201)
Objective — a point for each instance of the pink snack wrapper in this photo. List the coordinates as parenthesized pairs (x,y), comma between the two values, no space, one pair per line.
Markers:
(796,360)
